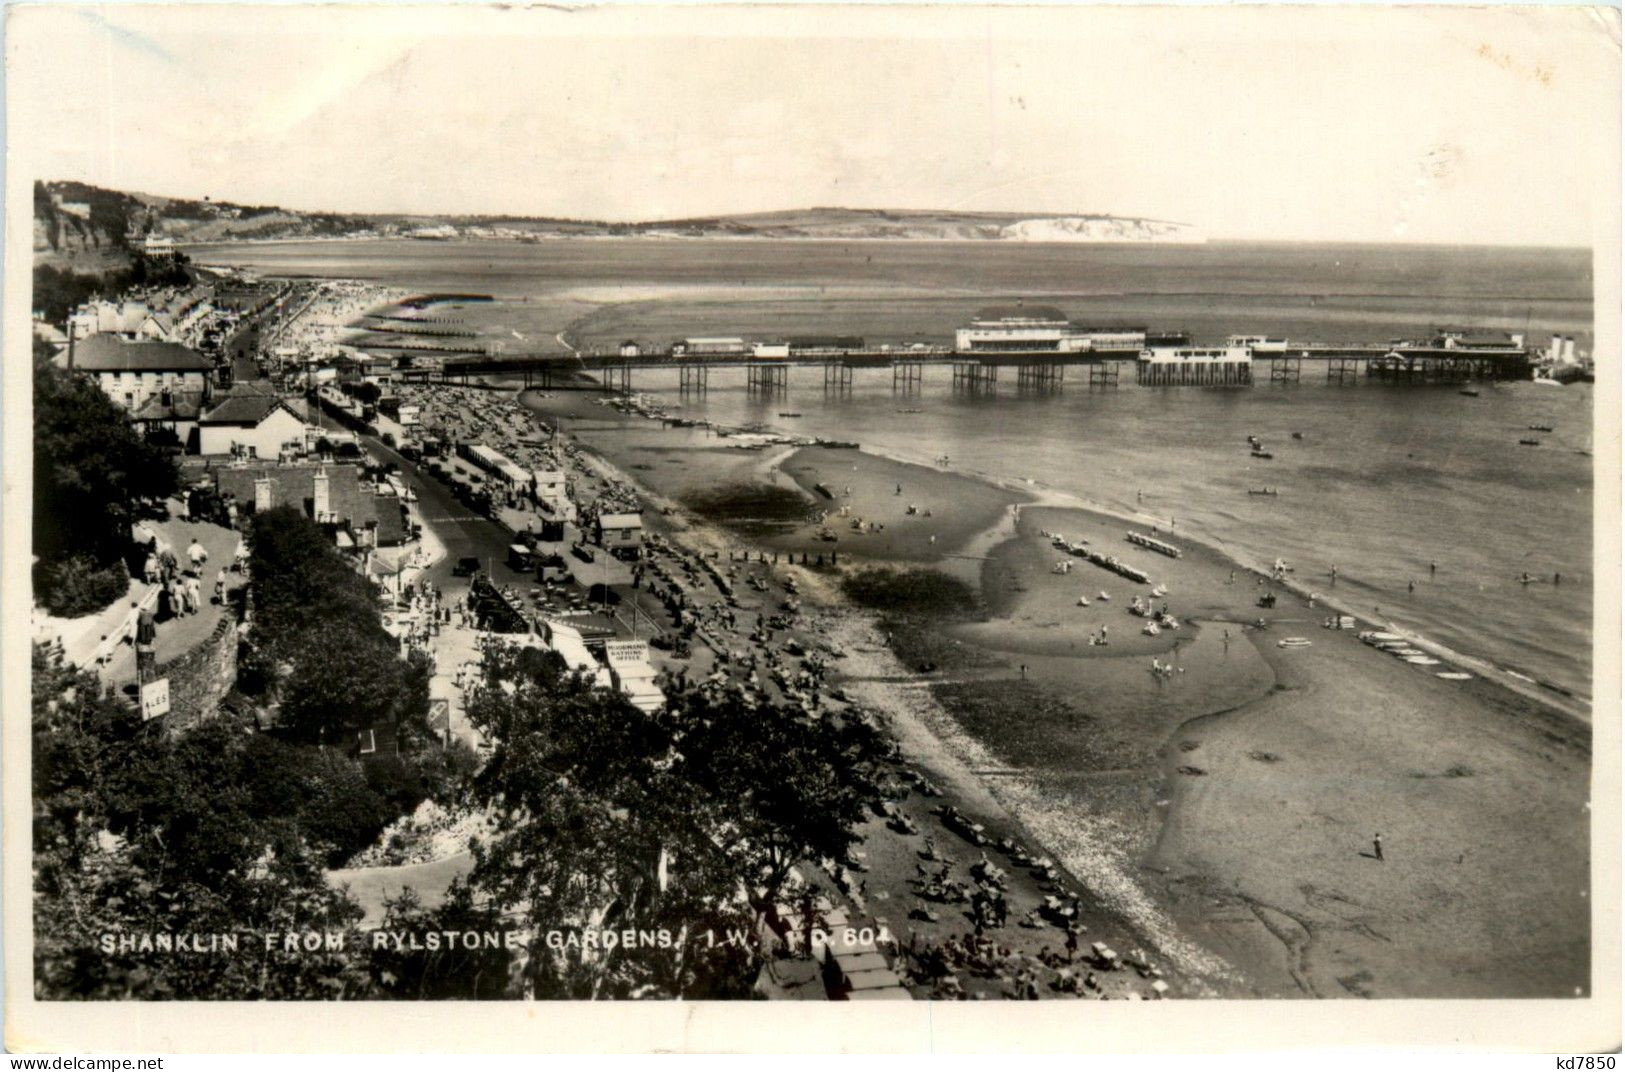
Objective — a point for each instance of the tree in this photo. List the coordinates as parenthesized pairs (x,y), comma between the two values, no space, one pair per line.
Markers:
(347,676)
(93,476)
(318,639)
(139,834)
(793,786)
(59,291)
(596,832)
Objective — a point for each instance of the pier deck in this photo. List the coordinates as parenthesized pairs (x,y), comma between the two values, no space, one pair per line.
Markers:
(1417,364)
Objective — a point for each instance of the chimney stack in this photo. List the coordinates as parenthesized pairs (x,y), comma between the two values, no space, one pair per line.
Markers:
(321,496)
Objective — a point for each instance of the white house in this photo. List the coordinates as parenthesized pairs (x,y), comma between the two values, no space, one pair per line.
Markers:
(132,372)
(258,425)
(131,320)
(621,534)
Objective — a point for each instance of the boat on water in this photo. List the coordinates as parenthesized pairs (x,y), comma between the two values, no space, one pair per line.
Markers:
(1255,441)
(1297,435)
(1262,491)
(789,414)
(1529,442)
(1469,392)
(837,444)
(1540,428)
(911,411)
(1262,454)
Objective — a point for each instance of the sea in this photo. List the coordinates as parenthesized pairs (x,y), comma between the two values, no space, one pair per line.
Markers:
(1420,496)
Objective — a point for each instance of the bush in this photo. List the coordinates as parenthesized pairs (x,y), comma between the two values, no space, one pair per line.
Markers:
(396,782)
(75,586)
(343,813)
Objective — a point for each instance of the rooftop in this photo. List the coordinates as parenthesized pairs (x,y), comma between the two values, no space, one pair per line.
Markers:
(295,485)
(179,406)
(1046,313)
(109,353)
(246,409)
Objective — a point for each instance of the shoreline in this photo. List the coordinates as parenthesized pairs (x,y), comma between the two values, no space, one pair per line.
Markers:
(1134,833)
(1037,493)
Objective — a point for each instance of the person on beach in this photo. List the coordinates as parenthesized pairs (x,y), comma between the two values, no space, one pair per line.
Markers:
(1227,641)
(1376,845)
(1410,586)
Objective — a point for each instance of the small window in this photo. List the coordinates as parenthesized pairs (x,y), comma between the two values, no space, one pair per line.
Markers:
(367,744)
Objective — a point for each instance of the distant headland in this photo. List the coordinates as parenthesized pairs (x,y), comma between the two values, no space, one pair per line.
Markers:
(73,219)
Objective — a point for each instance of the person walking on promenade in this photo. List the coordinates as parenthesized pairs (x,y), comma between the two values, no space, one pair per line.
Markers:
(1376,846)
(220,587)
(146,636)
(197,554)
(194,595)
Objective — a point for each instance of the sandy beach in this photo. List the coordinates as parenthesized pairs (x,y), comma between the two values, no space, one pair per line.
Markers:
(1225,811)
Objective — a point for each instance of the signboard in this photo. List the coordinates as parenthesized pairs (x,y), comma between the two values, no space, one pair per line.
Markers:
(440,718)
(155,699)
(622,652)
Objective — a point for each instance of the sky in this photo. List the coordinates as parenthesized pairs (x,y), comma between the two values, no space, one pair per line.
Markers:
(1443,124)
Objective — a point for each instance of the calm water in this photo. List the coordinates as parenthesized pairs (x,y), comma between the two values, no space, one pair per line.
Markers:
(1385,481)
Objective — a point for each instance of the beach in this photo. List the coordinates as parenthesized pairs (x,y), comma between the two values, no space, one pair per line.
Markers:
(1226,811)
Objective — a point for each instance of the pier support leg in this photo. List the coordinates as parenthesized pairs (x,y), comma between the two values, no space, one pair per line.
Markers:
(693,379)
(906,377)
(837,378)
(975,377)
(1040,376)
(767,379)
(1104,374)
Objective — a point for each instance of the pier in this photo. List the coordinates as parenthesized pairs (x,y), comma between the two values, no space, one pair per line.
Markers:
(978,371)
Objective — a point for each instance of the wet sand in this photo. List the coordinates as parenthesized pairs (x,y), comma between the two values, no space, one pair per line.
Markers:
(1226,812)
